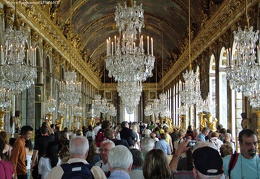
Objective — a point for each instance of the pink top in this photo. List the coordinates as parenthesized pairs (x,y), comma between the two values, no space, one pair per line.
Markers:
(6,169)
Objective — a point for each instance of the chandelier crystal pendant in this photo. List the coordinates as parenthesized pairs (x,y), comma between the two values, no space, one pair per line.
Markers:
(130,93)
(17,60)
(125,58)
(70,89)
(243,66)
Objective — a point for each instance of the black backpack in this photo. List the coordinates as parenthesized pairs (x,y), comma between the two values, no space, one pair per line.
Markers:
(77,171)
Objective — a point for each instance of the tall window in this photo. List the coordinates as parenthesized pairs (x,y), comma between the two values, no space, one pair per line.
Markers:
(130,117)
(223,117)
(212,85)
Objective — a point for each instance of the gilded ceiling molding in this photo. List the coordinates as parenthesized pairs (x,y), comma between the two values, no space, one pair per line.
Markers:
(228,13)
(112,87)
(42,24)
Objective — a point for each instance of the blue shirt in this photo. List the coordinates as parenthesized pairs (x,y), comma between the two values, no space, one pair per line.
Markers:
(119,174)
(244,168)
(201,137)
(164,146)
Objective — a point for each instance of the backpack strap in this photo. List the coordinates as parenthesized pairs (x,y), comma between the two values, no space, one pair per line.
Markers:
(232,162)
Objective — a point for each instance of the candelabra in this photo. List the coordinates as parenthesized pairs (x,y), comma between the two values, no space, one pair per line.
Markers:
(70,89)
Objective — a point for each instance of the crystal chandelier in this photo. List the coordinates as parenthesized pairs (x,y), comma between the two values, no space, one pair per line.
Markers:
(62,108)
(190,94)
(70,89)
(243,68)
(18,62)
(102,106)
(5,98)
(255,100)
(182,110)
(125,59)
(130,93)
(50,105)
(77,111)
(112,110)
(158,107)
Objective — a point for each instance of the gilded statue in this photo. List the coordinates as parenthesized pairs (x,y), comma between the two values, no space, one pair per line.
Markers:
(213,124)
(203,123)
(169,122)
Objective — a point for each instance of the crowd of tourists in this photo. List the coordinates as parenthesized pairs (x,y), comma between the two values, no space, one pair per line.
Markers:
(128,151)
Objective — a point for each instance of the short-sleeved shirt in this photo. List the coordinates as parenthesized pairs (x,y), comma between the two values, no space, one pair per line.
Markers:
(244,168)
(164,146)
(201,137)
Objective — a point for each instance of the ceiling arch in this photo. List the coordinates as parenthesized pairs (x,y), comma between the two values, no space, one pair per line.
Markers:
(93,22)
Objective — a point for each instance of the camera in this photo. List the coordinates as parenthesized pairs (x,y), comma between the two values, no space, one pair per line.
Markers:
(192,143)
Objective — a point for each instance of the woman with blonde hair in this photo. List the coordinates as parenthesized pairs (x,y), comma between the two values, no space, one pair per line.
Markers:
(137,141)
(156,165)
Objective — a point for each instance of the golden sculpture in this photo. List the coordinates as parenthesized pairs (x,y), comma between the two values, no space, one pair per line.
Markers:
(169,122)
(203,123)
(213,125)
(2,123)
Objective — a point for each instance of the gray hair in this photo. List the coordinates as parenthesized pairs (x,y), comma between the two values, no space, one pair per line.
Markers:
(79,146)
(112,144)
(120,157)
(147,144)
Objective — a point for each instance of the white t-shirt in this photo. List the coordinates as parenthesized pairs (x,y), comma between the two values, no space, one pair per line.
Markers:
(44,166)
(96,129)
(90,134)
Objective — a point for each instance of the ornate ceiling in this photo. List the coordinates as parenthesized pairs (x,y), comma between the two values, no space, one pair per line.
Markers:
(78,29)
(165,20)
